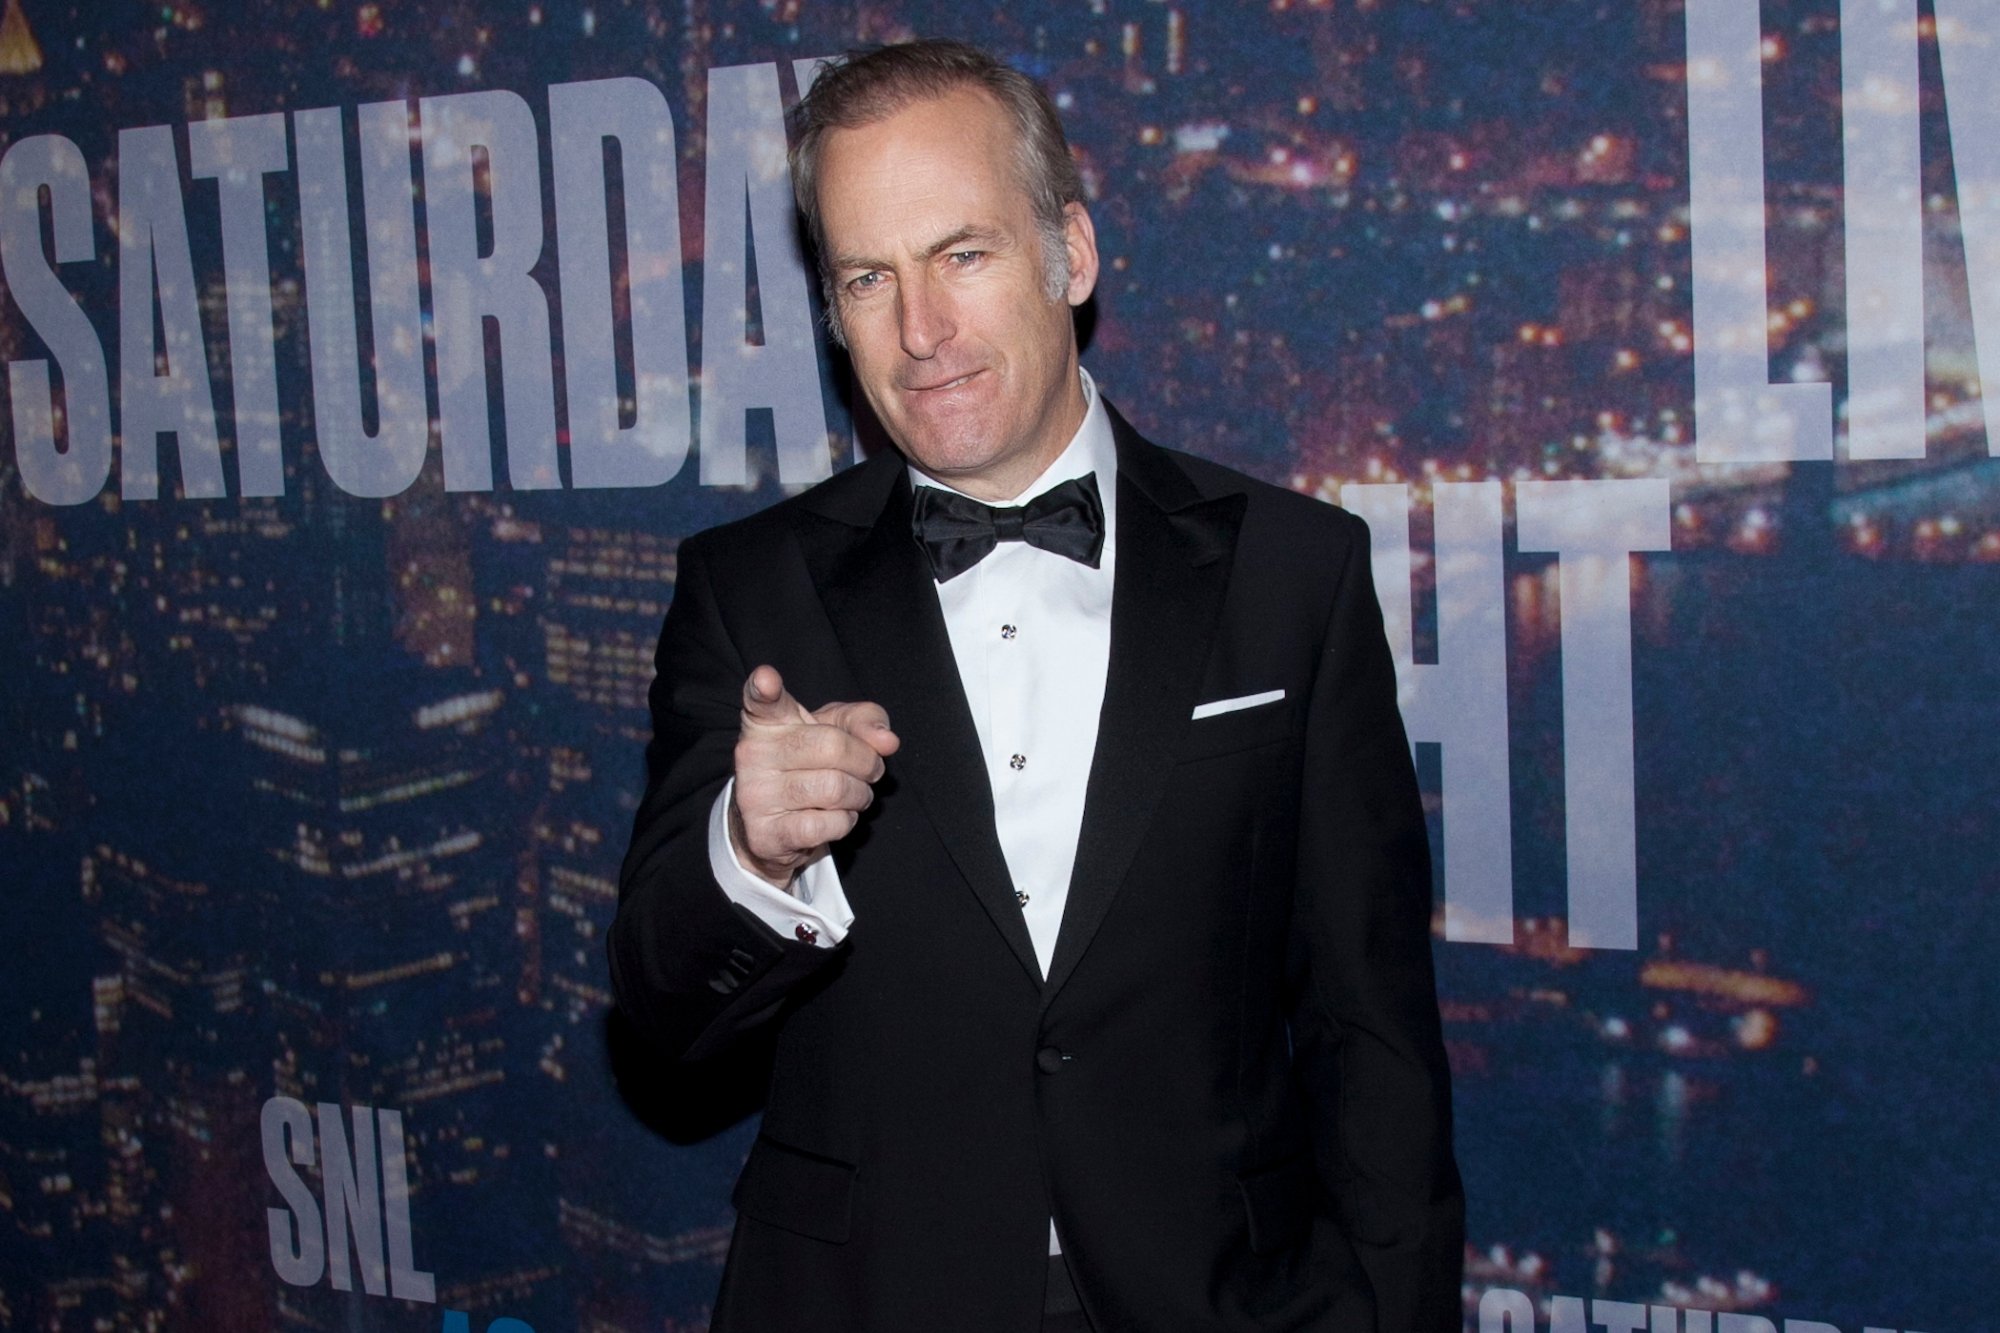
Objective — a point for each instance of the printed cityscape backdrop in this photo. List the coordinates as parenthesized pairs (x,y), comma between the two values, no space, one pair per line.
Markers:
(322,797)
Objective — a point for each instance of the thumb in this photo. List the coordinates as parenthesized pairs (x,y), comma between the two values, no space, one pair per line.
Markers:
(766,701)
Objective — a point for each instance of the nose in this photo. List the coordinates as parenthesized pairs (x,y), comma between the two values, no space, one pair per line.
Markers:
(924,318)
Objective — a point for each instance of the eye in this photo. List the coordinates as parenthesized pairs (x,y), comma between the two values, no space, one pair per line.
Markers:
(863,283)
(966,258)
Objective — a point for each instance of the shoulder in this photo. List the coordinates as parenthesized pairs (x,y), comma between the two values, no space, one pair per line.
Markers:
(1292,553)
(1277,524)
(1268,504)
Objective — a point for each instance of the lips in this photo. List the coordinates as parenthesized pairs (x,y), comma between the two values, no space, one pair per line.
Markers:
(939,385)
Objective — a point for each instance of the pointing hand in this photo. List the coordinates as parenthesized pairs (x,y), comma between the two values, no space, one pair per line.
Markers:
(802,778)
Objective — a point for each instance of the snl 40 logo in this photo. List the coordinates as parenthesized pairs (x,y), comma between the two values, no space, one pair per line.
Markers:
(361,1216)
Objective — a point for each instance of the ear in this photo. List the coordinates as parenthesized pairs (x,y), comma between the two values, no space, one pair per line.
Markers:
(1080,238)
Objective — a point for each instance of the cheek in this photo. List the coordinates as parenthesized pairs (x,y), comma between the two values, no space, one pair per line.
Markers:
(873,361)
(1042,329)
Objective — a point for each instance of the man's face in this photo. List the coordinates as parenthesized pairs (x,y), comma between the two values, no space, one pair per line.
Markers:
(939,286)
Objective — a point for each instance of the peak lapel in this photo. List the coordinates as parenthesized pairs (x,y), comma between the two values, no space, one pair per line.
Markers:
(883,606)
(1173,565)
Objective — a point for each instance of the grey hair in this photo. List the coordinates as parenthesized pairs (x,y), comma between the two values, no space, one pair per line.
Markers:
(871,84)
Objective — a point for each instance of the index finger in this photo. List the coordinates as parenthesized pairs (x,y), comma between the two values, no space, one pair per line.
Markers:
(866,722)
(832,747)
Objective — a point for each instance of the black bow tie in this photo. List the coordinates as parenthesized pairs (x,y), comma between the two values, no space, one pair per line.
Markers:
(957,532)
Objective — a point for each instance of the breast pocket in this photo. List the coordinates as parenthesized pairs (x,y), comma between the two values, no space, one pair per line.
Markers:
(1236,730)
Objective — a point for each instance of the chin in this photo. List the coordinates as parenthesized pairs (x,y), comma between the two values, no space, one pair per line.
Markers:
(948,463)
(949,454)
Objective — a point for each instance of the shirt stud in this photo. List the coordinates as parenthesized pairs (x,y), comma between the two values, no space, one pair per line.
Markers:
(805,932)
(1018,762)
(1008,631)
(1020,897)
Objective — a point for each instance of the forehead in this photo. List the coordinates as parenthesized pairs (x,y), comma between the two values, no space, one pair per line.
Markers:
(959,150)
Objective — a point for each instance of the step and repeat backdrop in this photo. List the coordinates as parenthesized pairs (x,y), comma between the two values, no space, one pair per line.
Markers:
(366,363)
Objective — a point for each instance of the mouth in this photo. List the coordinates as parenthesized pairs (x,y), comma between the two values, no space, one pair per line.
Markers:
(943,385)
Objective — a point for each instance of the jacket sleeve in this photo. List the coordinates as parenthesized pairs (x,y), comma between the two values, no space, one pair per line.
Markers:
(1366,1032)
(689,967)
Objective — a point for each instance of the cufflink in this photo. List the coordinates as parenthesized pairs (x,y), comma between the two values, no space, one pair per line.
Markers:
(805,932)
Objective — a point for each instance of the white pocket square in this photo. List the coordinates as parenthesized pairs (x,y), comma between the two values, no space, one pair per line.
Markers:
(1231,705)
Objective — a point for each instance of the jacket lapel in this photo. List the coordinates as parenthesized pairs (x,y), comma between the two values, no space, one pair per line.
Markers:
(882,603)
(1173,565)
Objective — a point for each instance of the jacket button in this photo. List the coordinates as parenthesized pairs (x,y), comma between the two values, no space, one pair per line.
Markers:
(1049,1060)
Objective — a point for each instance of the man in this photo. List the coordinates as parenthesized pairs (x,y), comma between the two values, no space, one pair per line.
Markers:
(1094,941)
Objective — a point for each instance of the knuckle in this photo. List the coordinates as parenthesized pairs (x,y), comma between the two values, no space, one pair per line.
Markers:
(761,749)
(795,833)
(813,829)
(810,788)
(800,742)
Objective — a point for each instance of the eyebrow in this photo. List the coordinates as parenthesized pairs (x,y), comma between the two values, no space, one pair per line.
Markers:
(952,241)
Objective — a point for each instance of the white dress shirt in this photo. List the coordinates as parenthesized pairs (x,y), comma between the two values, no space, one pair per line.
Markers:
(1031,633)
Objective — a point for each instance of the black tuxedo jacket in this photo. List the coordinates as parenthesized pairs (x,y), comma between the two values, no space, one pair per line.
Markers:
(1230,1092)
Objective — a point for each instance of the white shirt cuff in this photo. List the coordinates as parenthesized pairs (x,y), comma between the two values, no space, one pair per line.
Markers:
(814,909)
